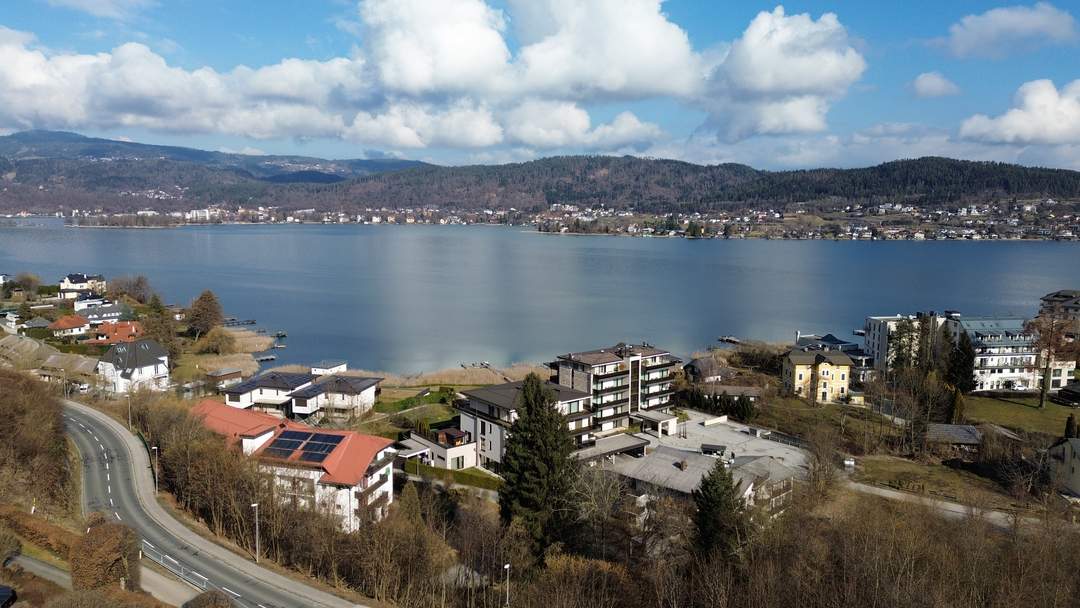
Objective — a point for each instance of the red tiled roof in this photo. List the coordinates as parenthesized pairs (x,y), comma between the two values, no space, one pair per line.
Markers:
(233,423)
(347,464)
(69,322)
(120,331)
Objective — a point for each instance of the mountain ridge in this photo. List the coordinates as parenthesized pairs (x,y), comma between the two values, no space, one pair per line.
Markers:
(48,170)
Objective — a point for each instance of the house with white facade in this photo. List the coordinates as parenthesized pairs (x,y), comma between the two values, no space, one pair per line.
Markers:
(70,326)
(445,448)
(334,396)
(109,313)
(270,392)
(79,284)
(131,366)
(327,367)
(878,333)
(347,474)
(491,410)
(1006,356)
(89,301)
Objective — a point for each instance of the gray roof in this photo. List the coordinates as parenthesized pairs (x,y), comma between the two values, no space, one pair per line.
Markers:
(342,385)
(810,357)
(653,415)
(37,323)
(612,444)
(661,468)
(71,364)
(129,356)
(506,395)
(108,312)
(954,434)
(328,363)
(706,367)
(225,371)
(276,380)
(613,354)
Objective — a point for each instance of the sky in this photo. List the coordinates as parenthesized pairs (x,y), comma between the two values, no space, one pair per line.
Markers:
(803,84)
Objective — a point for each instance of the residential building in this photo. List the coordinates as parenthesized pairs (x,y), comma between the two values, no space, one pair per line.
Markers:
(445,448)
(707,369)
(36,323)
(1064,302)
(1006,356)
(110,313)
(862,361)
(1065,465)
(491,410)
(70,326)
(345,473)
(73,371)
(334,396)
(821,376)
(225,377)
(116,332)
(89,301)
(327,367)
(76,284)
(622,380)
(878,334)
(269,392)
(130,366)
(5,279)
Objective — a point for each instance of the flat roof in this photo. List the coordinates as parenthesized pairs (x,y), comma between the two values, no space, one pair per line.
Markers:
(328,363)
(664,467)
(613,354)
(653,415)
(614,444)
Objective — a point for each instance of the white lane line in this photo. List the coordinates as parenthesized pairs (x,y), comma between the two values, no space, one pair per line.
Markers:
(108,477)
(106,465)
(111,503)
(117,516)
(110,489)
(261,606)
(227,590)
(95,438)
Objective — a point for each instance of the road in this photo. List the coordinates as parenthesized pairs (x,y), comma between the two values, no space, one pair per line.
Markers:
(950,510)
(118,481)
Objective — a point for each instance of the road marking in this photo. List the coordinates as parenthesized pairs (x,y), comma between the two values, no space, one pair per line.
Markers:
(108,477)
(111,503)
(117,516)
(106,465)
(110,489)
(227,590)
(149,545)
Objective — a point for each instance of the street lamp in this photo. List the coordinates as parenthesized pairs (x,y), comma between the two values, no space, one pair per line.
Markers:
(255,506)
(156,458)
(507,568)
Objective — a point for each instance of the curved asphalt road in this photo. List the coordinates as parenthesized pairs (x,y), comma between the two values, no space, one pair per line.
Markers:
(117,481)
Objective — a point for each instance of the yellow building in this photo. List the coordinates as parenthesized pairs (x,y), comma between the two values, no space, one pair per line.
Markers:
(818,375)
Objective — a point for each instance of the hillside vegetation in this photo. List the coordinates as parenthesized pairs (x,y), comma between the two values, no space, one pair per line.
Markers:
(45,171)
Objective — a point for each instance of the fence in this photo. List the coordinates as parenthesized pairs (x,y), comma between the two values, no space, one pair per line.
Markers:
(184,573)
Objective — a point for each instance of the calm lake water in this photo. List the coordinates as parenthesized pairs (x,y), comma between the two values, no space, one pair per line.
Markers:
(413,298)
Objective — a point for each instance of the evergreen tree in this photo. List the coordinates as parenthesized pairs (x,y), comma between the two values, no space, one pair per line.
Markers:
(25,312)
(1070,427)
(158,324)
(537,466)
(902,343)
(720,518)
(205,313)
(962,365)
(944,345)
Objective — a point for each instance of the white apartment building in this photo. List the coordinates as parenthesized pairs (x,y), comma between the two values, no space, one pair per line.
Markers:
(345,473)
(879,330)
(622,380)
(491,410)
(1006,357)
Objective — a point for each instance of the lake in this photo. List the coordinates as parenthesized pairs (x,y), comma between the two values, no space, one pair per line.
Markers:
(413,298)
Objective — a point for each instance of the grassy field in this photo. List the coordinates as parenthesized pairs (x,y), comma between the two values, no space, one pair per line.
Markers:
(387,406)
(859,429)
(1018,413)
(935,480)
(392,426)
(469,477)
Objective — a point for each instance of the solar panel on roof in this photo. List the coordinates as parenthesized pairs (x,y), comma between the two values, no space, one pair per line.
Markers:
(286,444)
(301,435)
(319,448)
(325,438)
(312,457)
(278,453)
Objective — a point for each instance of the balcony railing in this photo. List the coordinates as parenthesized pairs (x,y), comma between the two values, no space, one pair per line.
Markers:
(382,462)
(375,485)
(621,371)
(665,363)
(618,413)
(611,389)
(666,377)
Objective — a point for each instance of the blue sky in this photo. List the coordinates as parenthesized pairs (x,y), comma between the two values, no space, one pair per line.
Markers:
(802,84)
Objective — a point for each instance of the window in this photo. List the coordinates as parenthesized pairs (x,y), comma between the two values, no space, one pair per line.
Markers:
(234,398)
(573,407)
(800,376)
(1057,373)
(843,376)
(458,462)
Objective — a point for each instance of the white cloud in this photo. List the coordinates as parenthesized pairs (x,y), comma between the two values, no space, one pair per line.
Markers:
(413,125)
(1042,115)
(782,74)
(1001,31)
(933,84)
(552,124)
(109,9)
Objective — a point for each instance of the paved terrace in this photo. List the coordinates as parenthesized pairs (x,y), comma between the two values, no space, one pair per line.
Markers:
(735,437)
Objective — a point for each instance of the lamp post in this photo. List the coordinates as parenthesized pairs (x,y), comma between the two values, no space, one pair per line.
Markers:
(129,408)
(507,568)
(255,506)
(156,458)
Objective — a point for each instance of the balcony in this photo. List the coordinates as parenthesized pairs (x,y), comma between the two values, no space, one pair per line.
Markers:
(610,389)
(382,462)
(596,407)
(620,412)
(621,371)
(667,363)
(362,495)
(665,377)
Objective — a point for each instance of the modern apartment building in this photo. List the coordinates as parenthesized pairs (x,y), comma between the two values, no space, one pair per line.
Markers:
(622,380)
(1006,357)
(879,331)
(491,410)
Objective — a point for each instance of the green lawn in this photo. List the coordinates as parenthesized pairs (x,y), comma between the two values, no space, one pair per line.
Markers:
(1018,413)
(935,480)
(392,407)
(393,426)
(860,430)
(469,477)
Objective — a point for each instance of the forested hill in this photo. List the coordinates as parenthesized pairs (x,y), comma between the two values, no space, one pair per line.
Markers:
(45,171)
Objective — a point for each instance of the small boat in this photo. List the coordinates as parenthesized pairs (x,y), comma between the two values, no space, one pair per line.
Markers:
(281,334)
(279,346)
(265,358)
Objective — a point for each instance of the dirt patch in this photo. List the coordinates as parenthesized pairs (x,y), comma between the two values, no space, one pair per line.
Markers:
(248,341)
